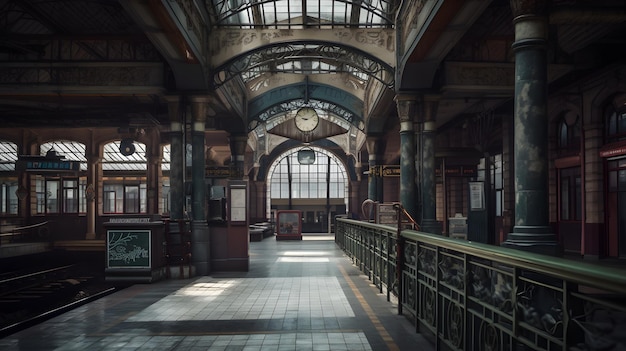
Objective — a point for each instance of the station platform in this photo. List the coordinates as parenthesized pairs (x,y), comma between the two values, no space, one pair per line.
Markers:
(297,295)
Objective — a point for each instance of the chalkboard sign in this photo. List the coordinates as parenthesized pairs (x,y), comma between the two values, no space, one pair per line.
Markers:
(128,248)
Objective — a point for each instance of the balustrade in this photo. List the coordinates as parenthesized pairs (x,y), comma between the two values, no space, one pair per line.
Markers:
(471,296)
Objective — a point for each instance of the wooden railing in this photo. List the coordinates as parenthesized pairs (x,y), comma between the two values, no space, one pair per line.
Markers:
(471,296)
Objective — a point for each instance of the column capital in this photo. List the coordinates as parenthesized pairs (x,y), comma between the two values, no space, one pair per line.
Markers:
(429,104)
(406,106)
(172,98)
(173,107)
(372,144)
(529,7)
(201,98)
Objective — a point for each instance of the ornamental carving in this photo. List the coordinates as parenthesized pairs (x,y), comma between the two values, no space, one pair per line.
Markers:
(381,39)
(277,34)
(410,17)
(193,20)
(233,38)
(406,110)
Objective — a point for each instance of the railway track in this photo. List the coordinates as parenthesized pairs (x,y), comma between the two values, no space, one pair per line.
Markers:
(32,295)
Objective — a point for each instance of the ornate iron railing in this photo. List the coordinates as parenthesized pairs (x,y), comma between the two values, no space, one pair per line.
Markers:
(471,296)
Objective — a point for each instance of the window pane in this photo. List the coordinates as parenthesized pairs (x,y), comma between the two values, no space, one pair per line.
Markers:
(621,123)
(131,199)
(40,190)
(108,202)
(70,196)
(52,196)
(82,200)
(578,199)
(565,199)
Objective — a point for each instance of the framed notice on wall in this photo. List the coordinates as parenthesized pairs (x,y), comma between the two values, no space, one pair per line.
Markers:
(238,202)
(127,248)
(477,196)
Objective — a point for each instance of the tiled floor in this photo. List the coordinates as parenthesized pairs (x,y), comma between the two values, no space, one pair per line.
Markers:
(298,295)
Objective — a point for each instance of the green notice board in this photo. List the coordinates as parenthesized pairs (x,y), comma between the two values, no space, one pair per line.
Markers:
(127,248)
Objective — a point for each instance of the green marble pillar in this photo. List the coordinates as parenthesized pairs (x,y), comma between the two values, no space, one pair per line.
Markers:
(177,164)
(531,229)
(200,249)
(408,188)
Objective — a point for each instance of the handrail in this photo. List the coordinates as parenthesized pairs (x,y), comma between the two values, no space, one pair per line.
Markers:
(472,295)
(12,232)
(585,273)
(398,206)
(581,272)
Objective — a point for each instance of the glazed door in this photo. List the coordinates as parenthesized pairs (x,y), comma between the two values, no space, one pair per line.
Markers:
(612,225)
(621,217)
(616,210)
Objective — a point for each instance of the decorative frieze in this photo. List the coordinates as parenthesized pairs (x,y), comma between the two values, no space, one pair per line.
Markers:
(84,75)
(225,44)
(194,22)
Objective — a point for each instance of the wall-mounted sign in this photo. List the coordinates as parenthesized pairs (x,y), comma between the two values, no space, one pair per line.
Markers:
(220,172)
(53,166)
(390,171)
(127,248)
(51,162)
(477,196)
(458,171)
(615,149)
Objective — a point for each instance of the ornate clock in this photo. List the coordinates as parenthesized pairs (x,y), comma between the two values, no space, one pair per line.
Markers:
(306,119)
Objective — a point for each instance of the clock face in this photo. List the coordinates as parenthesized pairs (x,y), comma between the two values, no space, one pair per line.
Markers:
(306,119)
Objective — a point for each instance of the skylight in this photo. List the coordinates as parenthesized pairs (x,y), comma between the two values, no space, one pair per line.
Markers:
(294,14)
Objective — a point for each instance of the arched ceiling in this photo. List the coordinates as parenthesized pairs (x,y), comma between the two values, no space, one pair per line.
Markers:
(270,67)
(84,63)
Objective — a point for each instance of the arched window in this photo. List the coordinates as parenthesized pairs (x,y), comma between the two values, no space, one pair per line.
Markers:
(569,132)
(8,180)
(307,173)
(124,188)
(615,120)
(62,193)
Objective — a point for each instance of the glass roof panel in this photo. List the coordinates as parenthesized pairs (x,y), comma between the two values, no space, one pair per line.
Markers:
(71,150)
(167,156)
(113,160)
(8,155)
(304,58)
(314,13)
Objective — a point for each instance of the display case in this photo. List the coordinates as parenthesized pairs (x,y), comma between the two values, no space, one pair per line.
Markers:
(289,225)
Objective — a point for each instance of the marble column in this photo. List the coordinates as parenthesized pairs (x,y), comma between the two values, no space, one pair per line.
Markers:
(93,160)
(408,190)
(373,145)
(429,222)
(200,238)
(531,230)
(177,163)
(238,149)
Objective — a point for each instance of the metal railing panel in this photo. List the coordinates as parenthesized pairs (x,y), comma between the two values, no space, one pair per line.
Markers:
(471,296)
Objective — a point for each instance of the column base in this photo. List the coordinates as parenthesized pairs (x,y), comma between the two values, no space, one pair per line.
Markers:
(431,226)
(200,248)
(533,239)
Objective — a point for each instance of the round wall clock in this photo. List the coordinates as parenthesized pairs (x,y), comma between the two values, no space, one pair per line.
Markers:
(306,119)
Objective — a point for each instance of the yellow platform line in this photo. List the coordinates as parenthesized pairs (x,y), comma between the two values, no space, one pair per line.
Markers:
(370,313)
